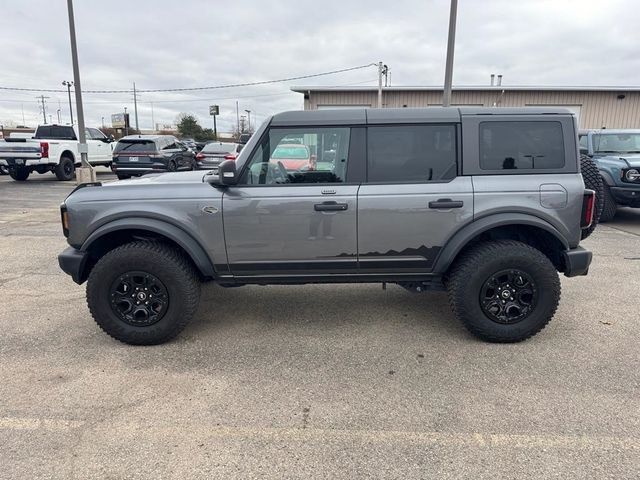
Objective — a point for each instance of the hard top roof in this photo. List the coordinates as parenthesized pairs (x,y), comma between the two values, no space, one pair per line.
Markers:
(362,116)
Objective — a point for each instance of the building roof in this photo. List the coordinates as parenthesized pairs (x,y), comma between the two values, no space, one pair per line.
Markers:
(360,88)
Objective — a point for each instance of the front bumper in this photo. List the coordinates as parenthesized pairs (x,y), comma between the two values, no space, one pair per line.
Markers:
(73,262)
(576,261)
(627,195)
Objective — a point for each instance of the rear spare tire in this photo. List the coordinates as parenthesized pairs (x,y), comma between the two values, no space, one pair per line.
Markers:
(503,291)
(592,181)
(143,293)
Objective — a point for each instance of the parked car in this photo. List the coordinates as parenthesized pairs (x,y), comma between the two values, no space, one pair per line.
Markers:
(136,155)
(53,148)
(617,156)
(190,143)
(213,153)
(293,157)
(493,222)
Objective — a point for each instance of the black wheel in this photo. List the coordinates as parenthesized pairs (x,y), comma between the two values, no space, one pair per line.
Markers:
(65,169)
(4,170)
(143,293)
(593,181)
(19,174)
(610,206)
(503,291)
(122,176)
(172,167)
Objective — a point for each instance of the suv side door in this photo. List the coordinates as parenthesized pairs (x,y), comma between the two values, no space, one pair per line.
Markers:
(295,223)
(413,200)
(98,145)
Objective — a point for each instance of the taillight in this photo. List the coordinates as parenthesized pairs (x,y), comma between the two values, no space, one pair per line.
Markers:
(230,156)
(44,149)
(588,207)
(199,156)
(64,216)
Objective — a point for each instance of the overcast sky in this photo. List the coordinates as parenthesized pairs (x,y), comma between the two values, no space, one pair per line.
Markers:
(195,43)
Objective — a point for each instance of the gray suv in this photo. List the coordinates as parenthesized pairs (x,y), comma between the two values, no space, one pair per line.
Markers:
(488,204)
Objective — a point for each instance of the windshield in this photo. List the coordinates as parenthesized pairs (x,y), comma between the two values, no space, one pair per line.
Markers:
(616,143)
(135,146)
(291,152)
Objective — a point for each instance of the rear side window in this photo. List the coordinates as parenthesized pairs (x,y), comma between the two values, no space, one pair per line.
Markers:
(130,146)
(411,153)
(521,145)
(59,132)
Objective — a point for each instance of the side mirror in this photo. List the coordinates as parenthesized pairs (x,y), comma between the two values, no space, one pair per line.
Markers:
(227,174)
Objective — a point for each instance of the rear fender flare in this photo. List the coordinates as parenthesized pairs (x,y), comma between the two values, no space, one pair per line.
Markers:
(461,238)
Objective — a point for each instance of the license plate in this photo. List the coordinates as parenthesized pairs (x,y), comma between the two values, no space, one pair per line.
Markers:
(133,159)
(19,161)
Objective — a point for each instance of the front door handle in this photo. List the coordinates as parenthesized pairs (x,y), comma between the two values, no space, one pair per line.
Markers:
(330,207)
(446,203)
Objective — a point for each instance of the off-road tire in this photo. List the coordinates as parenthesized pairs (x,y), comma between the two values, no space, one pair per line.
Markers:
(168,265)
(65,170)
(610,206)
(475,266)
(19,174)
(592,181)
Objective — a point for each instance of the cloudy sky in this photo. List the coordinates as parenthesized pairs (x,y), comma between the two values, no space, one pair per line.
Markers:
(195,43)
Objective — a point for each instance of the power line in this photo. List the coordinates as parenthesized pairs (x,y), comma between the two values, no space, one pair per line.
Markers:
(193,89)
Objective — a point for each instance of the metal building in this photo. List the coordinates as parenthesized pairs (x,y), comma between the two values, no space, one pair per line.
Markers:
(596,107)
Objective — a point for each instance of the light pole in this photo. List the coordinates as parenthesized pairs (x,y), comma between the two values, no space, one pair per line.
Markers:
(126,124)
(58,112)
(102,122)
(69,85)
(86,173)
(448,71)
(248,120)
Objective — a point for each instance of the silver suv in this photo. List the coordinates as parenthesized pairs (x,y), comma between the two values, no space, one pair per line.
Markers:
(488,204)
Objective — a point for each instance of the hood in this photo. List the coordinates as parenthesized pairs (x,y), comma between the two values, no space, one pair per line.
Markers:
(161,178)
(630,160)
(633,161)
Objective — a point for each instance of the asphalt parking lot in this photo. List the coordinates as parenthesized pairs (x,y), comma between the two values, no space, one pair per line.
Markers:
(312,381)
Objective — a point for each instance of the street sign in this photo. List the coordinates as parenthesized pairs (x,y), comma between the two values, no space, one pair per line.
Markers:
(214,109)
(117,120)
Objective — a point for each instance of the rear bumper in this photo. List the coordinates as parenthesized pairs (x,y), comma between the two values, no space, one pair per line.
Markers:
(576,261)
(73,262)
(25,162)
(627,195)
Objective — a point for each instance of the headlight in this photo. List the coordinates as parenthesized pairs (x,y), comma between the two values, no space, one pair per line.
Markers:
(64,216)
(632,175)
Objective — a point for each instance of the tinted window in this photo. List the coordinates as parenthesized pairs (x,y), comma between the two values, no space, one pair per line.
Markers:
(616,143)
(424,153)
(300,155)
(130,146)
(96,134)
(218,148)
(521,145)
(56,132)
(171,146)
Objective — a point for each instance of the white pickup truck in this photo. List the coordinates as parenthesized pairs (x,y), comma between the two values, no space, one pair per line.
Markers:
(53,148)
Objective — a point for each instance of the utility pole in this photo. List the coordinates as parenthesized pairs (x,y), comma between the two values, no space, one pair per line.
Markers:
(126,123)
(238,117)
(248,120)
(379,84)
(44,108)
(153,123)
(102,122)
(59,121)
(86,173)
(242,118)
(69,85)
(448,71)
(135,104)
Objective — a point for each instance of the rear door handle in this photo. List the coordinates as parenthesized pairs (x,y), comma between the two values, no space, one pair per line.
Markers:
(330,207)
(445,203)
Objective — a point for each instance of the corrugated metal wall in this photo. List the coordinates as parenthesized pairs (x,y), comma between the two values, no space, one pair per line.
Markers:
(597,108)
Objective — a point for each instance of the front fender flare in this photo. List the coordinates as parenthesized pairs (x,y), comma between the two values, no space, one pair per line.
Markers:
(467,233)
(187,242)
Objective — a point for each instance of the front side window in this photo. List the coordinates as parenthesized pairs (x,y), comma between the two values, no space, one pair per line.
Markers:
(300,155)
(522,145)
(411,153)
